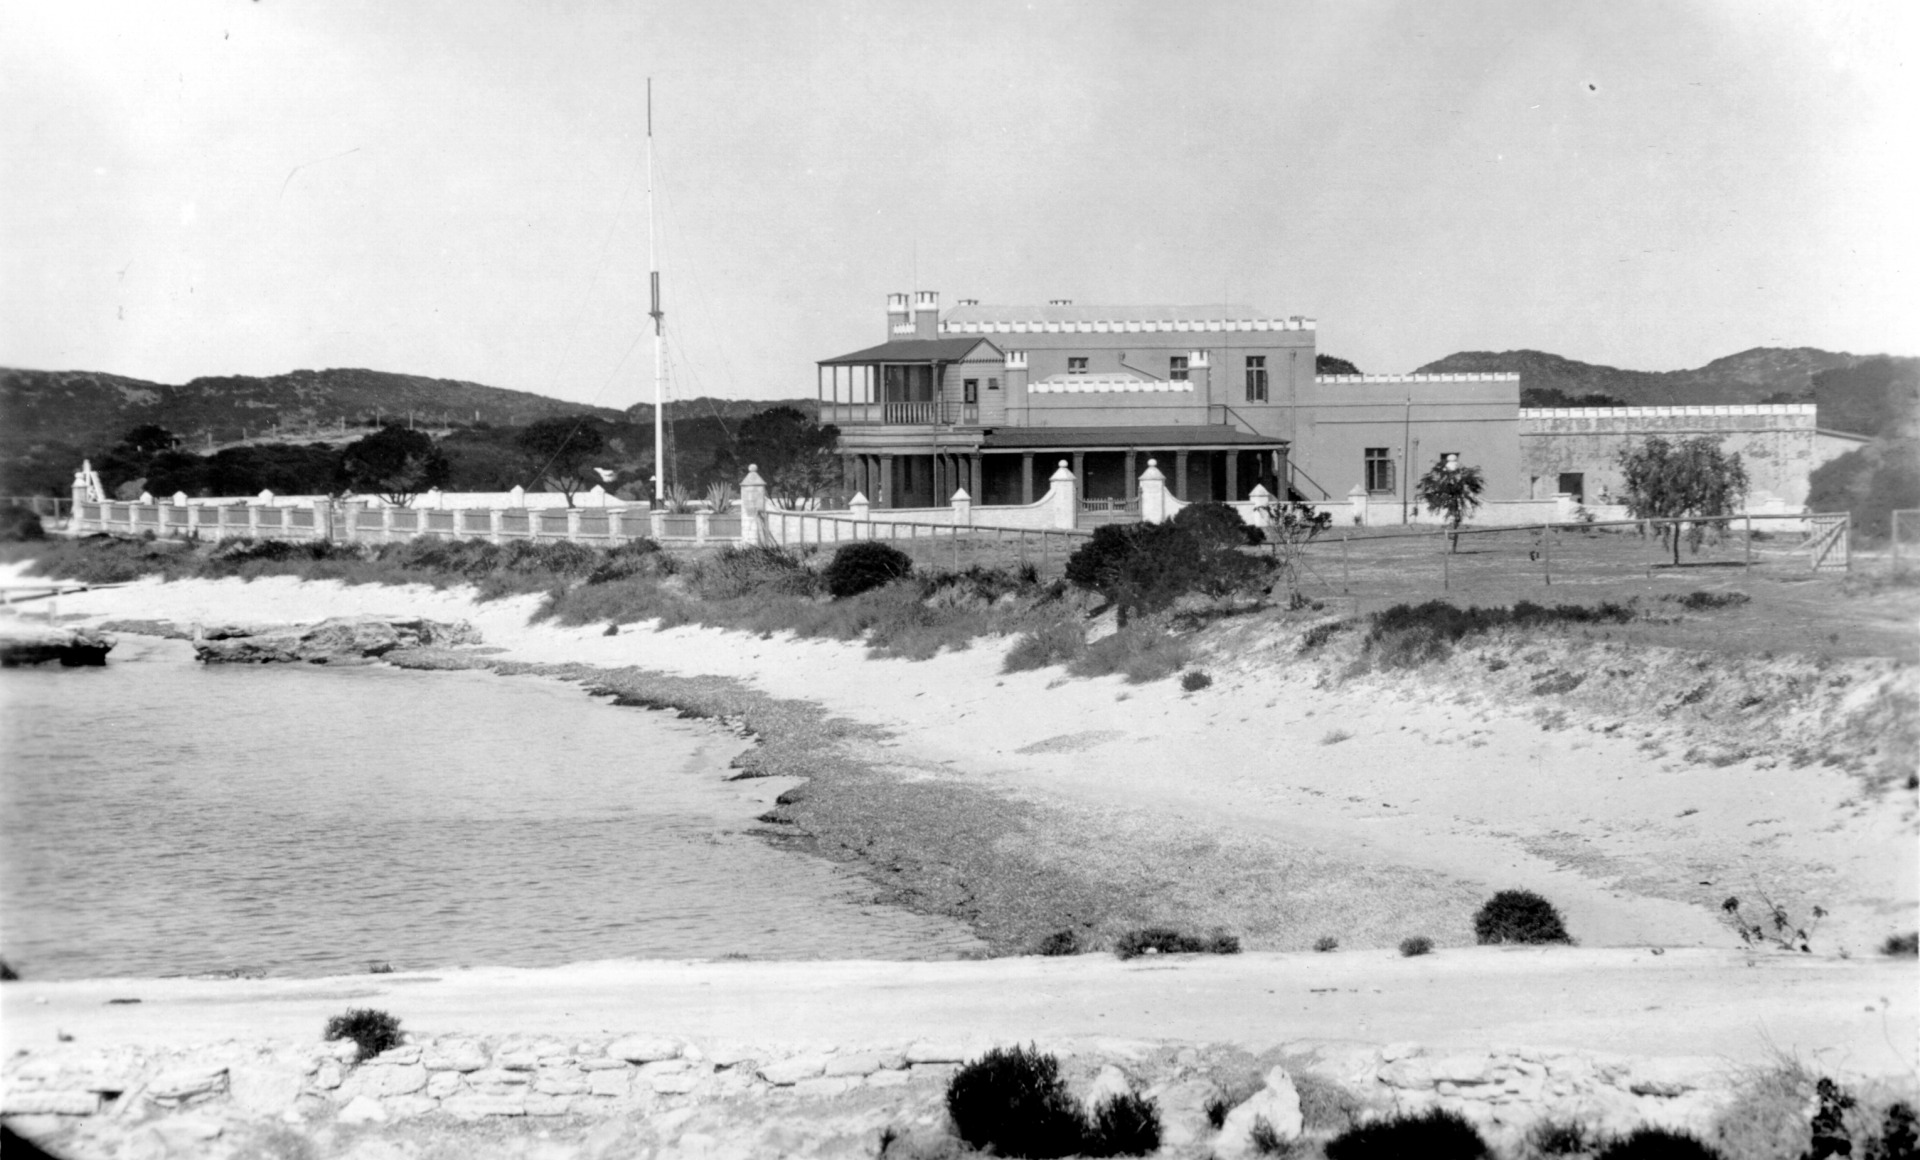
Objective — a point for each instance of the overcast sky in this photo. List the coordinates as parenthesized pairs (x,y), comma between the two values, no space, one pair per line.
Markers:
(457,189)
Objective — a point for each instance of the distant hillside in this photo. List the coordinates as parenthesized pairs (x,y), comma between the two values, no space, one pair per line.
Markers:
(1763,374)
(85,408)
(727,410)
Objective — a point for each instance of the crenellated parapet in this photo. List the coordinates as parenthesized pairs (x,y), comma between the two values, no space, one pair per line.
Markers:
(1123,326)
(1451,377)
(1728,410)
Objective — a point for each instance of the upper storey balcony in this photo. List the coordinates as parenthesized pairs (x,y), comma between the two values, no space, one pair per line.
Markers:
(909,382)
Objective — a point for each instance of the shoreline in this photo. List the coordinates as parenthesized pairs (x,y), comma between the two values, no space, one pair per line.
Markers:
(1078,804)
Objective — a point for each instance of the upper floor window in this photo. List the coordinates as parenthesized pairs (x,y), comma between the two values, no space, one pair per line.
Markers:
(971,387)
(993,384)
(1076,366)
(1177,368)
(1256,378)
(1379,465)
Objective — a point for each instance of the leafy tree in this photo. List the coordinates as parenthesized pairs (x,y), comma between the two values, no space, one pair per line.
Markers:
(1692,479)
(794,453)
(1453,491)
(284,469)
(149,438)
(562,452)
(1555,397)
(393,463)
(1326,364)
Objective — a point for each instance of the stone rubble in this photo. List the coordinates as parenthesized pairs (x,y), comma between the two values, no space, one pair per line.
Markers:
(719,1100)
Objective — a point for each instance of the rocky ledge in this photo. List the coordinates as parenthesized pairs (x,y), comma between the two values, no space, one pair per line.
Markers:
(32,644)
(341,640)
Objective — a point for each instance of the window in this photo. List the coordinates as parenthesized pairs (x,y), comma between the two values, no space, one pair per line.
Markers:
(993,384)
(1574,483)
(972,389)
(1379,471)
(1256,378)
(1076,366)
(1177,368)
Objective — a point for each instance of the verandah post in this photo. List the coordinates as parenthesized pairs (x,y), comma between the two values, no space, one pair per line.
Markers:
(1546,552)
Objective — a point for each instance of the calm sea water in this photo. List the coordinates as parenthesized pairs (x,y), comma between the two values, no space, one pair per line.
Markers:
(161,817)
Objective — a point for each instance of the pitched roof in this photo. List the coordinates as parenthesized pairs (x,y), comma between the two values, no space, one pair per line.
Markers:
(911,350)
(1144,438)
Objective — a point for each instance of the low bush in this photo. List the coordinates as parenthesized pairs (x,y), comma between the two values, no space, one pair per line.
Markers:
(1416,945)
(865,565)
(1901,946)
(1435,1134)
(1325,1106)
(1656,1144)
(1217,524)
(1320,634)
(1518,916)
(1141,569)
(734,572)
(1560,1138)
(18,522)
(1326,943)
(1701,601)
(1013,1101)
(1194,680)
(1122,1125)
(1335,736)
(1142,652)
(374,1031)
(1265,1141)
(1060,942)
(1164,940)
(1057,641)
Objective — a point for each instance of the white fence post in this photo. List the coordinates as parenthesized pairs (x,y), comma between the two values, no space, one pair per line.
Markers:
(1153,494)
(753,504)
(962,509)
(859,508)
(1064,495)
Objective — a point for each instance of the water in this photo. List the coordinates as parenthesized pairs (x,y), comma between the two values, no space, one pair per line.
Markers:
(162,817)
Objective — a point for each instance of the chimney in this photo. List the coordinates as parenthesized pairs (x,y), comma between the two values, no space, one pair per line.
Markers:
(926,314)
(898,324)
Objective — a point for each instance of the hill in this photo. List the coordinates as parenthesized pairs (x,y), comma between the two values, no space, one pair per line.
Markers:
(725,410)
(1761,375)
(86,408)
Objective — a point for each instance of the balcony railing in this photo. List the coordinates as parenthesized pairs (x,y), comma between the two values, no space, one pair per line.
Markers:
(899,414)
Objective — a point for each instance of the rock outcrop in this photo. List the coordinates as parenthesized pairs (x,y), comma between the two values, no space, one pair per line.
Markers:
(343,640)
(32,644)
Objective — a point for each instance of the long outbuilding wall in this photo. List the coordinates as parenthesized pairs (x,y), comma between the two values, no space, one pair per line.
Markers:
(1775,441)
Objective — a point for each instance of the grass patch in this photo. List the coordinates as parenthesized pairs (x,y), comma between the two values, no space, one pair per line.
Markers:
(1702,601)
(1056,641)
(1335,737)
(1143,651)
(1410,635)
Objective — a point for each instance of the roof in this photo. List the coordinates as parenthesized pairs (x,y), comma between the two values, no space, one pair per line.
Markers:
(911,350)
(1144,438)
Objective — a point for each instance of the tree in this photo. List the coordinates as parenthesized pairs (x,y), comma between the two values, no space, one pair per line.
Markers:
(1692,479)
(1453,491)
(149,438)
(1326,364)
(393,463)
(562,450)
(1290,527)
(795,454)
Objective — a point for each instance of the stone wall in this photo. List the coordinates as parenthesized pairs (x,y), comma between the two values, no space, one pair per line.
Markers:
(1775,441)
(748,1100)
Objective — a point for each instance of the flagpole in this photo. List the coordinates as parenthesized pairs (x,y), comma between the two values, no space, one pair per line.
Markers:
(659,359)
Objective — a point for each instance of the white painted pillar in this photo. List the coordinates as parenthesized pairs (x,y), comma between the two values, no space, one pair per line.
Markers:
(962,509)
(1064,497)
(753,504)
(1153,493)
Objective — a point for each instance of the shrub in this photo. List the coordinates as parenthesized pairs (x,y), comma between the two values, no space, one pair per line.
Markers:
(1060,942)
(1216,524)
(18,522)
(1194,680)
(1265,1141)
(1408,635)
(1056,642)
(1415,946)
(1656,1144)
(1518,916)
(1325,1106)
(733,572)
(1560,1138)
(1320,634)
(1143,568)
(1702,601)
(374,1031)
(7,973)
(1435,1134)
(1123,1125)
(1901,946)
(1164,940)
(863,565)
(1014,1101)
(1335,737)
(1326,943)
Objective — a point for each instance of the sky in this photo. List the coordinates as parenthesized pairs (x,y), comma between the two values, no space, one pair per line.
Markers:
(212,187)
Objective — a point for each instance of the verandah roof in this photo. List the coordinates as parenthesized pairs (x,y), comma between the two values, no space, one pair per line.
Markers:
(911,350)
(1121,438)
